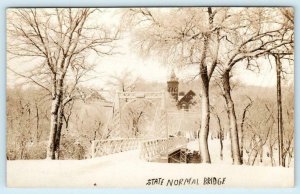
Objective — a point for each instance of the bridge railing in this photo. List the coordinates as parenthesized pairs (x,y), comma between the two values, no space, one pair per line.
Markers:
(150,149)
(156,148)
(112,146)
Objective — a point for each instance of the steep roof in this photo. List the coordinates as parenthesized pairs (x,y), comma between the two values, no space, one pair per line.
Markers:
(187,97)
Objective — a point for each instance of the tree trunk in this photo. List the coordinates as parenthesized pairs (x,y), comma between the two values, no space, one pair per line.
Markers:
(254,159)
(242,131)
(221,149)
(221,136)
(279,110)
(205,117)
(261,152)
(204,77)
(56,103)
(37,123)
(232,119)
(58,132)
(242,146)
(228,130)
(53,128)
(290,159)
(271,154)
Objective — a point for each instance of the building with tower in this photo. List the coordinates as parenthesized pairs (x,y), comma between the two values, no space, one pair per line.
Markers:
(173,85)
(183,100)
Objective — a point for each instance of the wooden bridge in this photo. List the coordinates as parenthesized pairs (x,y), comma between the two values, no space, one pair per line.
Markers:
(168,149)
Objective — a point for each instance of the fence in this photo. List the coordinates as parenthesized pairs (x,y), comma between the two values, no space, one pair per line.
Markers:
(149,148)
(112,146)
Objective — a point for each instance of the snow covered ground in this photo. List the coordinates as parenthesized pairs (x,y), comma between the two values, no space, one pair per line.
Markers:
(127,170)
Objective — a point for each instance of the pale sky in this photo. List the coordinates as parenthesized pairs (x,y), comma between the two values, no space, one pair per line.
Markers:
(150,69)
(153,70)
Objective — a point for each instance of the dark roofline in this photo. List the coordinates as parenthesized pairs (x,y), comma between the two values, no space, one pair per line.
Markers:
(190,92)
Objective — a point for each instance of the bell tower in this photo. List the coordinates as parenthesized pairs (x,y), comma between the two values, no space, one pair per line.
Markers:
(173,85)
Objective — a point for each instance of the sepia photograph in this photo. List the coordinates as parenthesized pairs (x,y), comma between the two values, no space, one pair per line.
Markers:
(150,97)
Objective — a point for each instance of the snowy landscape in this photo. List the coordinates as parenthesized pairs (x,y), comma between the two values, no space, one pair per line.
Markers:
(125,170)
(150,97)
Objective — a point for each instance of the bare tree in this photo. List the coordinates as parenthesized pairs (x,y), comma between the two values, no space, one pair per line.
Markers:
(288,135)
(26,123)
(220,131)
(272,138)
(281,54)
(259,131)
(138,116)
(246,109)
(57,41)
(126,82)
(193,38)
(250,37)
